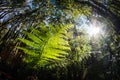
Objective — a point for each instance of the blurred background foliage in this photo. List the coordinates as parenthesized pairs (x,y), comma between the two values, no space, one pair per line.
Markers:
(39,40)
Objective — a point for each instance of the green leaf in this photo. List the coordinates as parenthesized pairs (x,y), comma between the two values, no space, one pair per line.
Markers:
(29,52)
(34,38)
(29,43)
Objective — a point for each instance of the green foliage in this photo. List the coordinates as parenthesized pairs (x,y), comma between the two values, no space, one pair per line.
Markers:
(45,45)
(80,47)
(72,9)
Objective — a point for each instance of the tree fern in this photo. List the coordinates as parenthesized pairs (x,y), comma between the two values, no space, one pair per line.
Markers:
(46,44)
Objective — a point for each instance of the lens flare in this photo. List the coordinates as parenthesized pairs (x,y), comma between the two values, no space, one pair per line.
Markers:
(93,31)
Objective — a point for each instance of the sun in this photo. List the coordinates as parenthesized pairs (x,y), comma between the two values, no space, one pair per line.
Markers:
(93,30)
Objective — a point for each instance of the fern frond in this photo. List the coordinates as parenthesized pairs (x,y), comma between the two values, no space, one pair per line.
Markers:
(50,42)
(54,42)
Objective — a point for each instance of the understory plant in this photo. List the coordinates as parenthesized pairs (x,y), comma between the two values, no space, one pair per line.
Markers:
(45,45)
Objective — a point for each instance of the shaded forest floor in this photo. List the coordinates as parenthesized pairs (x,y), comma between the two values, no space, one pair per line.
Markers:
(95,70)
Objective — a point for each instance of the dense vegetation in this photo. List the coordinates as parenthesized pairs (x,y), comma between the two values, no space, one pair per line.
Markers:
(51,40)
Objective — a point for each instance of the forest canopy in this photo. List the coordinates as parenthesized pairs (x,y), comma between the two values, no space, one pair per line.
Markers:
(67,39)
